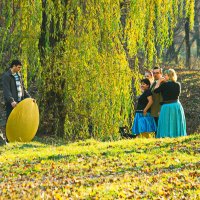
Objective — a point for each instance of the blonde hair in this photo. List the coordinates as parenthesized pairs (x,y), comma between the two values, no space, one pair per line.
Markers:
(148,72)
(172,74)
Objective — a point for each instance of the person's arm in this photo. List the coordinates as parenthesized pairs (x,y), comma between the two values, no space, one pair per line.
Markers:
(6,89)
(162,79)
(159,85)
(150,102)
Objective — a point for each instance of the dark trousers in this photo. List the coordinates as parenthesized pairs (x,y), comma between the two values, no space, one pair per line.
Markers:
(9,109)
(156,120)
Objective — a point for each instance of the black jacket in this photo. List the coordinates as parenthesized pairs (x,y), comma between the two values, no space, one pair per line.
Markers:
(10,88)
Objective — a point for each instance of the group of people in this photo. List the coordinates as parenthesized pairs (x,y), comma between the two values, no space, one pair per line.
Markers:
(159,109)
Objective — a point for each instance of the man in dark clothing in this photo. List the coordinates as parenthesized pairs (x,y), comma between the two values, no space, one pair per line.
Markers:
(157,98)
(13,87)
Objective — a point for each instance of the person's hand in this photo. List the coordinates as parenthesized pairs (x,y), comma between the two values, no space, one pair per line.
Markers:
(162,79)
(144,112)
(14,104)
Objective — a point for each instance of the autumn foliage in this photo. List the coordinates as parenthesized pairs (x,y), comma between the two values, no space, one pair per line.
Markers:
(83,56)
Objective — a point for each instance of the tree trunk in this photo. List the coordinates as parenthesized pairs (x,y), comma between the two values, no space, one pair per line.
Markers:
(53,108)
(197,26)
(172,54)
(42,40)
(187,44)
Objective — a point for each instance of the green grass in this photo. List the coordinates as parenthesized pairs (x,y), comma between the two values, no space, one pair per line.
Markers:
(126,169)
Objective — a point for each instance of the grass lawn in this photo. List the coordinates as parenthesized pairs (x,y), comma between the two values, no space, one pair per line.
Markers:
(126,169)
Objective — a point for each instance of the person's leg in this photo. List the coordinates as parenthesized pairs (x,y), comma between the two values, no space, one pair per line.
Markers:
(9,109)
(156,120)
(2,140)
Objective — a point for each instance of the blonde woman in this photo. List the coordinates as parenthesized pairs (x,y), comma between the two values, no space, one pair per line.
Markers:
(149,75)
(171,121)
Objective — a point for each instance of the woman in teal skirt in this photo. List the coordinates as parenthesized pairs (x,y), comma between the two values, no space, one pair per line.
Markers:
(171,121)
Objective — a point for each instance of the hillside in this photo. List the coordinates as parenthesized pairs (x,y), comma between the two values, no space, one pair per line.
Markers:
(190,98)
(126,169)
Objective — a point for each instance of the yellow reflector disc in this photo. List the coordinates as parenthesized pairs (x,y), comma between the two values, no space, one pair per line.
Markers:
(23,122)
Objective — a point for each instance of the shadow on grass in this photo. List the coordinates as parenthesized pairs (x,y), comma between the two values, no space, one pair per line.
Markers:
(59,157)
(51,140)
(29,146)
(58,141)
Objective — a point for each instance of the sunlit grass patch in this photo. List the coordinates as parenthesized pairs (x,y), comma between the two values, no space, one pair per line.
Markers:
(136,168)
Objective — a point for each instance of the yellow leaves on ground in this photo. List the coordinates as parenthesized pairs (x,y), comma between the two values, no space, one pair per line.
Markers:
(135,169)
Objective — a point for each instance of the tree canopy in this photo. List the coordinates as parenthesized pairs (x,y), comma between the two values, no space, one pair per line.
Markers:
(83,56)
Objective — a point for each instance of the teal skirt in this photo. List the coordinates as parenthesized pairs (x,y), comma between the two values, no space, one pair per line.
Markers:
(143,124)
(171,121)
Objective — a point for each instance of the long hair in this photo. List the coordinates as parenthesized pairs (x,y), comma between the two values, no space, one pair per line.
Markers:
(172,74)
